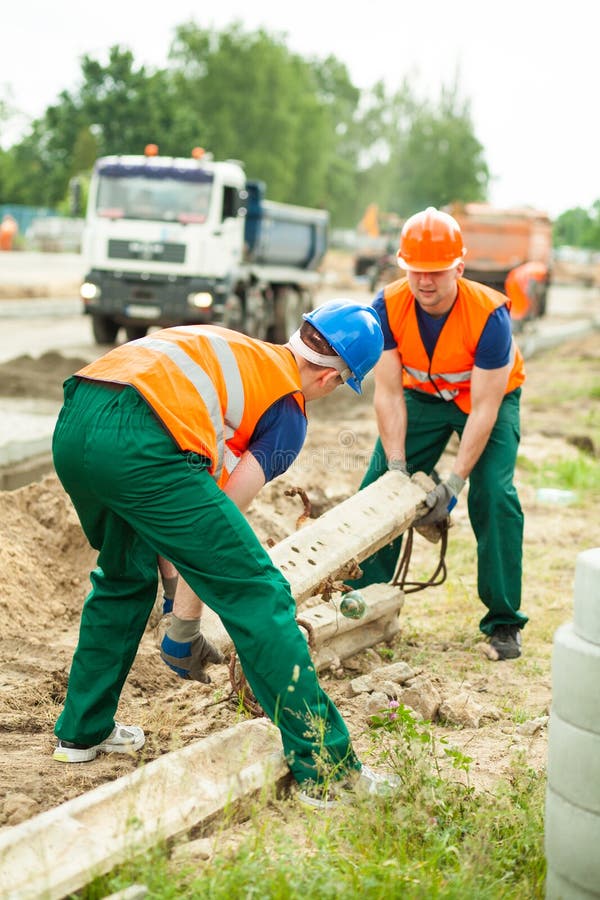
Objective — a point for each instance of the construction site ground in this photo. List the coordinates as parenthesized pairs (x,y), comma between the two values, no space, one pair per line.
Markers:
(45,563)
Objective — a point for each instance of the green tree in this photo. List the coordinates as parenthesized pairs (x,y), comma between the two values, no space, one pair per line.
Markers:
(298,124)
(118,109)
(578,227)
(438,160)
(254,100)
(381,123)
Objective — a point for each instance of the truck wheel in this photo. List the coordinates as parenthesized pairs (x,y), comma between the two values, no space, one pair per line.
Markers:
(373,274)
(255,319)
(104,329)
(287,314)
(135,332)
(233,313)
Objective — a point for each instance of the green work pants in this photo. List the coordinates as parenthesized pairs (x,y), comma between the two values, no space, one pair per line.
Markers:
(138,495)
(494,509)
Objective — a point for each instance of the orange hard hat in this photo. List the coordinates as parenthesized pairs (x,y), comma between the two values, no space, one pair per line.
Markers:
(430,241)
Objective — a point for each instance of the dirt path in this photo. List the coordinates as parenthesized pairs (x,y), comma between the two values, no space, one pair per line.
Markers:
(45,562)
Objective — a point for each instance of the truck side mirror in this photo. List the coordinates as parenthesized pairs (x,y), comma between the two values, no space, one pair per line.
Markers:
(233,203)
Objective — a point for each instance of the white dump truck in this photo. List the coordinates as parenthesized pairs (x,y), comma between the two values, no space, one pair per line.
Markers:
(172,241)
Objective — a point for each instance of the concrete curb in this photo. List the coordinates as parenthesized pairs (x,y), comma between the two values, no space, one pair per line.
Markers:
(59,851)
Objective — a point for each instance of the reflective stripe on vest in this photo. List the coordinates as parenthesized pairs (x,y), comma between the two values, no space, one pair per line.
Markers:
(448,374)
(208,386)
(225,425)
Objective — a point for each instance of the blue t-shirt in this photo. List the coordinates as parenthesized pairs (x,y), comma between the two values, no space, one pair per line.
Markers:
(278,437)
(493,349)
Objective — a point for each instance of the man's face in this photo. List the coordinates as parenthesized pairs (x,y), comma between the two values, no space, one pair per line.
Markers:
(435,292)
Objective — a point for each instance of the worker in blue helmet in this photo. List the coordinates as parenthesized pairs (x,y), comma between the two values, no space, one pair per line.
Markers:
(162,444)
(353,330)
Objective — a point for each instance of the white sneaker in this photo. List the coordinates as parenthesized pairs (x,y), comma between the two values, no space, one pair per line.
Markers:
(122,739)
(364,783)
(374,784)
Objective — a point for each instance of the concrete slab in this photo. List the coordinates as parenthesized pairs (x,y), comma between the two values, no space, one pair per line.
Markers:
(26,428)
(36,274)
(59,851)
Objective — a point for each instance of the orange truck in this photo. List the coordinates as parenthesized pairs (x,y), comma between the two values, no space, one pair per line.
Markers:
(499,241)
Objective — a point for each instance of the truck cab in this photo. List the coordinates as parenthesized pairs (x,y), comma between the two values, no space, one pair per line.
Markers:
(161,233)
(171,241)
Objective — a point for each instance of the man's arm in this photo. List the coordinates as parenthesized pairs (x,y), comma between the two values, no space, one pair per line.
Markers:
(276,440)
(390,408)
(487,392)
(245,481)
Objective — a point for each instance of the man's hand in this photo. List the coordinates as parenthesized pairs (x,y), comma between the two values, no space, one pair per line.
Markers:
(185,650)
(441,500)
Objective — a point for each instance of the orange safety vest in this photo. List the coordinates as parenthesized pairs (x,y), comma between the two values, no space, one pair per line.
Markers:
(448,374)
(208,385)
(518,287)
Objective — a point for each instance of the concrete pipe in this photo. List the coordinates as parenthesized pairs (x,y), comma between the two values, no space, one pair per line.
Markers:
(572,828)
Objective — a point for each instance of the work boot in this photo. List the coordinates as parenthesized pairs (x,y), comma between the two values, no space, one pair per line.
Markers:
(506,641)
(364,783)
(122,739)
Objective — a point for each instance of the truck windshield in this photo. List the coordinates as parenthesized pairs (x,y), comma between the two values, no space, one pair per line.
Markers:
(163,199)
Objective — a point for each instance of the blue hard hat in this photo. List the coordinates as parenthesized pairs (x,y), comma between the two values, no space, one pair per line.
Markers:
(353,330)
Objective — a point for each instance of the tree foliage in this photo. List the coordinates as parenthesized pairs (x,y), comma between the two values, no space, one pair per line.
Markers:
(579,228)
(298,124)
(438,159)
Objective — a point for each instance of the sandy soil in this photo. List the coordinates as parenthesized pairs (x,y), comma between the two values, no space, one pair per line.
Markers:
(45,561)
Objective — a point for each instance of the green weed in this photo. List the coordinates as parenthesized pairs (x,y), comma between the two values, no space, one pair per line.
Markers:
(437,839)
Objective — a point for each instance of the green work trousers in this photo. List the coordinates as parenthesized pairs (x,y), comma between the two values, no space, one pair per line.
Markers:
(138,495)
(494,509)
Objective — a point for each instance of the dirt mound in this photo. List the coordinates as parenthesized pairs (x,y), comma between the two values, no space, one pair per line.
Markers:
(42,377)
(42,552)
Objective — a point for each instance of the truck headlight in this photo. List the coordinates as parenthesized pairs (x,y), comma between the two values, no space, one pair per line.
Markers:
(89,291)
(201,300)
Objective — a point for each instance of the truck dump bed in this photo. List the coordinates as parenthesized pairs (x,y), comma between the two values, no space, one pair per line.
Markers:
(280,234)
(497,240)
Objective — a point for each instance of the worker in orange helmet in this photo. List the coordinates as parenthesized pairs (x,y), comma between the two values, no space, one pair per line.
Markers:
(526,287)
(450,365)
(8,232)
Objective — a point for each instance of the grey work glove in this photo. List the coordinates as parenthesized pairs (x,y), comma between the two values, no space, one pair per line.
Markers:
(185,650)
(397,465)
(441,500)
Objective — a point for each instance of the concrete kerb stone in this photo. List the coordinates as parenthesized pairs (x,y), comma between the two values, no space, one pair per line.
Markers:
(572,819)
(62,849)
(322,551)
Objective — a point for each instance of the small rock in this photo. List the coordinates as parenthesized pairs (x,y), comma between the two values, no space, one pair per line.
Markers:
(400,672)
(376,705)
(532,726)
(133,892)
(462,709)
(489,651)
(202,848)
(422,697)
(360,685)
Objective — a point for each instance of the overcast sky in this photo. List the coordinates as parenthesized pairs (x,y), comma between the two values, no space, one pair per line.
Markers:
(529,68)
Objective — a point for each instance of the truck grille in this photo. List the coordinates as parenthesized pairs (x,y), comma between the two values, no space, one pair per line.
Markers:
(150,251)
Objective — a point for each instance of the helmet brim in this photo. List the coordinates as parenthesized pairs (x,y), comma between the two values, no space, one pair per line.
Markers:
(429,267)
(354,383)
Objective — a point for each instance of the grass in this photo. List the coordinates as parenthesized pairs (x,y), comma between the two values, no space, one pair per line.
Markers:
(437,839)
(579,474)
